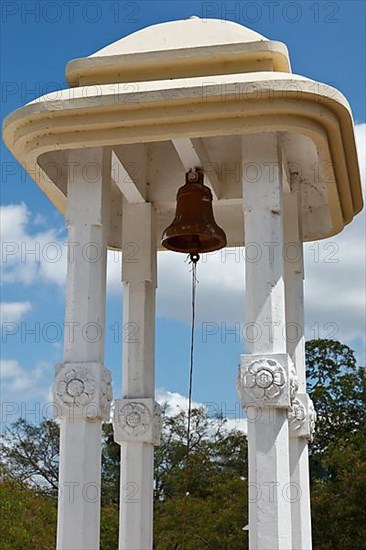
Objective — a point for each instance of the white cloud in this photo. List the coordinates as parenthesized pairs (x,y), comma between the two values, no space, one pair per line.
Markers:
(10,368)
(220,287)
(176,402)
(27,256)
(12,312)
(114,272)
(335,284)
(16,380)
(31,257)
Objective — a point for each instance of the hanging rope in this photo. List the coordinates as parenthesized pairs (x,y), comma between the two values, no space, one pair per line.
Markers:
(193,260)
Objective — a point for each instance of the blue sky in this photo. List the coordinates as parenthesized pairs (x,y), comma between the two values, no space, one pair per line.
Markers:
(326,41)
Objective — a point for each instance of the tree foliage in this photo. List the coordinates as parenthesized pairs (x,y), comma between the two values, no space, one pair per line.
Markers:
(30,454)
(338,453)
(28,517)
(337,386)
(207,491)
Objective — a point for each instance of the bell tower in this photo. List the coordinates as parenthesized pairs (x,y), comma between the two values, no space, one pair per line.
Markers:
(188,99)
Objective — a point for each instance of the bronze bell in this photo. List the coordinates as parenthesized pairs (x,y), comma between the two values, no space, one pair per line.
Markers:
(194,229)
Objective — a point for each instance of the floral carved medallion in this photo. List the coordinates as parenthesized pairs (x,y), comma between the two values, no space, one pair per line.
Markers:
(134,418)
(265,379)
(84,388)
(76,387)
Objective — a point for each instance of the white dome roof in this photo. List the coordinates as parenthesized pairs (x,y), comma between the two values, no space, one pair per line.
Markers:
(186,33)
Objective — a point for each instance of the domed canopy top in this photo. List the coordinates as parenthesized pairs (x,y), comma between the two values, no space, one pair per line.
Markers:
(180,49)
(188,33)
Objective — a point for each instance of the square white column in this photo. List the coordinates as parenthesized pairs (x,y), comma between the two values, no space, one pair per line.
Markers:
(137,415)
(302,414)
(82,389)
(266,379)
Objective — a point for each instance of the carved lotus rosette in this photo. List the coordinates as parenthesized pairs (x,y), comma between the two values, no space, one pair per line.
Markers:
(137,420)
(302,417)
(83,390)
(267,380)
(134,418)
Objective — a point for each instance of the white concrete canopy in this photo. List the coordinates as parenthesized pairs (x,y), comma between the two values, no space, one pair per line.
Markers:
(317,131)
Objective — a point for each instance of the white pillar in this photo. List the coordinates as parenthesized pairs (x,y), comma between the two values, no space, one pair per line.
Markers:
(300,425)
(137,415)
(82,389)
(266,379)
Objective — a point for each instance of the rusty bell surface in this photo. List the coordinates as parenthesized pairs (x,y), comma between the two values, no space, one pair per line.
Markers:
(194,230)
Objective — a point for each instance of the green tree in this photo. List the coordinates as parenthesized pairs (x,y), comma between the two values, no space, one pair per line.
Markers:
(28,517)
(338,453)
(110,467)
(213,512)
(337,387)
(30,459)
(30,454)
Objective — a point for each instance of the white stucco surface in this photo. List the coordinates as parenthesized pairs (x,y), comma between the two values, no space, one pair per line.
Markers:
(188,33)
